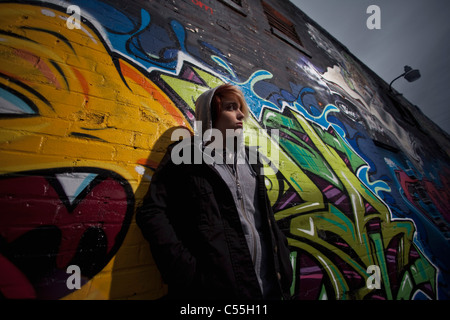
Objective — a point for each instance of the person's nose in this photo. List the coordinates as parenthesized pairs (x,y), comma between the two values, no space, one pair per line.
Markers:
(240,114)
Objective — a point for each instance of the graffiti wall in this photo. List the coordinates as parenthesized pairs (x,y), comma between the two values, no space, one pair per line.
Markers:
(90,92)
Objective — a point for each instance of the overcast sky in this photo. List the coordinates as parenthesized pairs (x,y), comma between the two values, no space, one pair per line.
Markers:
(413,32)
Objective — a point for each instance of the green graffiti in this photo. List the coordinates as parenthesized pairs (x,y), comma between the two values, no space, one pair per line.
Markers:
(340,224)
(336,226)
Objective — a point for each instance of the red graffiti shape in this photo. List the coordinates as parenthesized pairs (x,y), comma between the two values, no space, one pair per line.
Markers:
(38,204)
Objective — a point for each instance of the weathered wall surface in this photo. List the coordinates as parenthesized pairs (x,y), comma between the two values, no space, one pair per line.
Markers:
(362,180)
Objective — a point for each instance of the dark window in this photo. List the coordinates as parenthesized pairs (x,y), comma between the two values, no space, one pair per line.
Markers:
(280,23)
(236,5)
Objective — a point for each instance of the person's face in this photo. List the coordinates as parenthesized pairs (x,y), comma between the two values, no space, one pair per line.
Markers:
(230,115)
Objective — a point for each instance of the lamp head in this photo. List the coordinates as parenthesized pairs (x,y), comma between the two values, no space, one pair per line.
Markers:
(411,74)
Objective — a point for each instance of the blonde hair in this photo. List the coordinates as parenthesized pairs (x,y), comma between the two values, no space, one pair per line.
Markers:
(223,91)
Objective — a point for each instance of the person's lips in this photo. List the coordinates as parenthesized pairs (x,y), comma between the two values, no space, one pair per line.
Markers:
(239,124)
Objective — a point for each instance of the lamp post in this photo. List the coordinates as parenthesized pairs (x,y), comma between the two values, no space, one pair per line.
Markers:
(410,75)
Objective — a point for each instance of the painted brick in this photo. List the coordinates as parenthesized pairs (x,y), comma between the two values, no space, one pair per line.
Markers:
(87,115)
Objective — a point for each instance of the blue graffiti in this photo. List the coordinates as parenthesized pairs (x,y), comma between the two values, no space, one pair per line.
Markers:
(15,104)
(428,238)
(156,48)
(128,38)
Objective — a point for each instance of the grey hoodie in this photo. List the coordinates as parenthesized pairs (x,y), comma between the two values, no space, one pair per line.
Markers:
(203,112)
(235,170)
(203,129)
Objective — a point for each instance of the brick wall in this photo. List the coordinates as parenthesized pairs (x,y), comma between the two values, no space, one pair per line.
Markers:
(87,111)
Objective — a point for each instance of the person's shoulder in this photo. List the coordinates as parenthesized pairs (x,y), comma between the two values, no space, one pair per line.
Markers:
(167,158)
(190,141)
(181,149)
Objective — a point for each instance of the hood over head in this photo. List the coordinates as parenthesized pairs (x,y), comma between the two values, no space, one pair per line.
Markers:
(203,113)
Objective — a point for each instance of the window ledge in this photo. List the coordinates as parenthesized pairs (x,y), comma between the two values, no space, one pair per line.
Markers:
(235,6)
(296,45)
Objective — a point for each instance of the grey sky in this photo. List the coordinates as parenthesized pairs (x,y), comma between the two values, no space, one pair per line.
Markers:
(413,32)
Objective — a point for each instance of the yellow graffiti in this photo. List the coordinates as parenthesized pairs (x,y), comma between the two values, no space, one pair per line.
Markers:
(88,108)
(86,115)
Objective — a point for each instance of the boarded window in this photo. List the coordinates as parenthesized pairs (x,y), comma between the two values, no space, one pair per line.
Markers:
(280,23)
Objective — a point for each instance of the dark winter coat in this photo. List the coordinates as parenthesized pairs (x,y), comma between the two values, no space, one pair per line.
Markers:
(190,219)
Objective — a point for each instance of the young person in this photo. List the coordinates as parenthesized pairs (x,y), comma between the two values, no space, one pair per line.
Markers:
(209,224)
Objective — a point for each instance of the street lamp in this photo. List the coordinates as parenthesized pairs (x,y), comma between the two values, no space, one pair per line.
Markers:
(410,75)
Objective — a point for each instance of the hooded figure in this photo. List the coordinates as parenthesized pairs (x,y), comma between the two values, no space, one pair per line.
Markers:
(209,223)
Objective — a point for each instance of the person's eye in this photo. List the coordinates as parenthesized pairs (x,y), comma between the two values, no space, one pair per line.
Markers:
(229,106)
